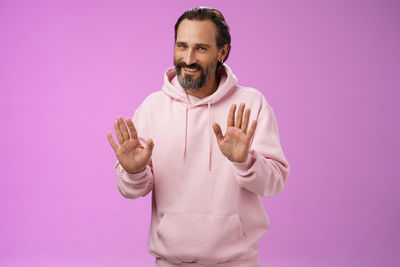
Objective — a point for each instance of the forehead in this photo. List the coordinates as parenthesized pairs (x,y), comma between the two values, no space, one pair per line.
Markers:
(197,31)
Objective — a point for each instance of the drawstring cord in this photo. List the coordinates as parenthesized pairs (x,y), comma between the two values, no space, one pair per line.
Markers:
(186,123)
(209,136)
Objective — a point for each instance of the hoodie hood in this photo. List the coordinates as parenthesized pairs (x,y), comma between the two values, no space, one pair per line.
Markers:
(173,89)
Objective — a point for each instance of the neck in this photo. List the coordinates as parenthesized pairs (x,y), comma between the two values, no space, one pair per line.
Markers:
(208,89)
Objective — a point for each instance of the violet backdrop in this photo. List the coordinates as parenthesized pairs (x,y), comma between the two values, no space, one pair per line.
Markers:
(330,70)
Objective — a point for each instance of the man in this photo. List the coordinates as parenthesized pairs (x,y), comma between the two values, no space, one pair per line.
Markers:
(205,184)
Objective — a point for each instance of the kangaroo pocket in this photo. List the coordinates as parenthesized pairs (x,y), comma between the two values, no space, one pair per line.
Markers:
(201,238)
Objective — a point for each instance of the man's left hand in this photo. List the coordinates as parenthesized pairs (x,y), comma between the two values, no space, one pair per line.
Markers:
(235,144)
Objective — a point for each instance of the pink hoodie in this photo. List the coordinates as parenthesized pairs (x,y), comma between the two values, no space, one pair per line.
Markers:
(205,208)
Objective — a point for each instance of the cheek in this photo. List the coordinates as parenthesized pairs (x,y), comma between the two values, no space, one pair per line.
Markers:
(210,58)
(178,56)
(211,61)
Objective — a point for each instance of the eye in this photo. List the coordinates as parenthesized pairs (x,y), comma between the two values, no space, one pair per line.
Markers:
(181,45)
(201,48)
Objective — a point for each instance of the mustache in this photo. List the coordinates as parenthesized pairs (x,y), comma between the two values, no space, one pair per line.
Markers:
(191,66)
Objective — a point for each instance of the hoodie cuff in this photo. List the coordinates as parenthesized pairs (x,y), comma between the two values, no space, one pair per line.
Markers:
(130,176)
(244,166)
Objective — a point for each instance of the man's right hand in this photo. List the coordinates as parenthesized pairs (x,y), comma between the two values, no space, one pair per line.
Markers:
(132,156)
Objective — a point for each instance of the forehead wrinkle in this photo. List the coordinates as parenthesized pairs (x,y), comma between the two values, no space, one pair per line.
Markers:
(192,40)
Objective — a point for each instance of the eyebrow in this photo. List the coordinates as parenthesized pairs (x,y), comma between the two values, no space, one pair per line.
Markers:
(206,45)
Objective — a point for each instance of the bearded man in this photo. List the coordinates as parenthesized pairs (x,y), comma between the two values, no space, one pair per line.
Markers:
(197,152)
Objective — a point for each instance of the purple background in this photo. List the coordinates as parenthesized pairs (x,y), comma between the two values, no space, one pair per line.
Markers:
(330,70)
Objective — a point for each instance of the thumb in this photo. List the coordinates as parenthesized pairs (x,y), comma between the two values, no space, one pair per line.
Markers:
(149,146)
(218,132)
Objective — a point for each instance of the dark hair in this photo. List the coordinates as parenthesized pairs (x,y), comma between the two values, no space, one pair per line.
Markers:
(203,13)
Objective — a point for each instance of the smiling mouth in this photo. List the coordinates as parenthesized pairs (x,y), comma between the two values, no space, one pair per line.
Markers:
(190,70)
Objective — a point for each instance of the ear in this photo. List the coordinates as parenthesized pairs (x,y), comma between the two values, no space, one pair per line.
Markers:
(223,52)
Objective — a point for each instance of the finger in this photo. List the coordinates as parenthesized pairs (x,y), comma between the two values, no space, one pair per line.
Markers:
(253,126)
(118,133)
(246,120)
(112,142)
(231,116)
(239,116)
(123,128)
(218,132)
(132,128)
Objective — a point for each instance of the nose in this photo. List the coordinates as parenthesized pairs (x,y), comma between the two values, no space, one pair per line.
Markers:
(190,57)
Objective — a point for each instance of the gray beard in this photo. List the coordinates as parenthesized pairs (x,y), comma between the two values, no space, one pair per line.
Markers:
(189,83)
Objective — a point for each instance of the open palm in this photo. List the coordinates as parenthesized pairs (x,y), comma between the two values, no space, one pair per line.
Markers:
(235,144)
(132,156)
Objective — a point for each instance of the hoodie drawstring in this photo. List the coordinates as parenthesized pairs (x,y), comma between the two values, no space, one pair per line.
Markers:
(186,123)
(209,136)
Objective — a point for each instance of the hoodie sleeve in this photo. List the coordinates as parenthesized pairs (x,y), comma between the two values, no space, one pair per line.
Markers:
(138,184)
(134,185)
(266,170)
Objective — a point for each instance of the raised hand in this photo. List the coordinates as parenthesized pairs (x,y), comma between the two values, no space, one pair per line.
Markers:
(235,144)
(132,156)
